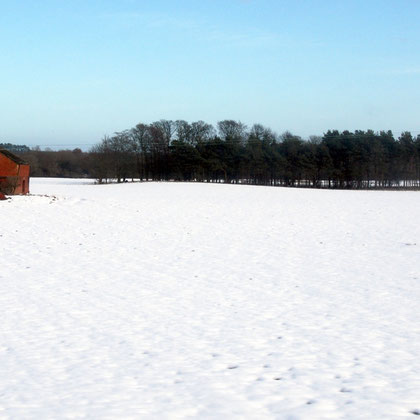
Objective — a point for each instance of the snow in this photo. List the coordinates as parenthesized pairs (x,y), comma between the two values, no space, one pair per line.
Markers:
(176,300)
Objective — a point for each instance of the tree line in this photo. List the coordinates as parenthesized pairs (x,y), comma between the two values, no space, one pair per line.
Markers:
(231,153)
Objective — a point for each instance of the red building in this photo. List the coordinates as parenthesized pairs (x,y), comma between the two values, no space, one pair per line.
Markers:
(14,174)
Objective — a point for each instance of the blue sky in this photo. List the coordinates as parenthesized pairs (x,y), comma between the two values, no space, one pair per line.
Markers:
(73,71)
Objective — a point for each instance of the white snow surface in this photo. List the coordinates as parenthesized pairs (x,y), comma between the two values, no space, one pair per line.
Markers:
(189,300)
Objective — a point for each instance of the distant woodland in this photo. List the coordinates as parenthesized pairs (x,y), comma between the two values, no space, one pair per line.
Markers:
(232,153)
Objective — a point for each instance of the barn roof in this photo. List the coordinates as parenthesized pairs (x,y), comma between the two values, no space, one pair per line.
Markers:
(13,157)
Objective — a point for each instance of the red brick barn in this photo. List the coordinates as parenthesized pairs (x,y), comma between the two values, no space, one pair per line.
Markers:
(14,174)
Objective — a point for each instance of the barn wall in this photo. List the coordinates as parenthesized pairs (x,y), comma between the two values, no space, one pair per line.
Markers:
(8,168)
(23,187)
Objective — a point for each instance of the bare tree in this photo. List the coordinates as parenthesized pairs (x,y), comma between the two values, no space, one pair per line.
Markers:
(232,131)
(141,145)
(122,152)
(201,132)
(184,131)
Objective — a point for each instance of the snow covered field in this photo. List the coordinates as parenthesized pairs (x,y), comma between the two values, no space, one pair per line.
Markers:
(166,300)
